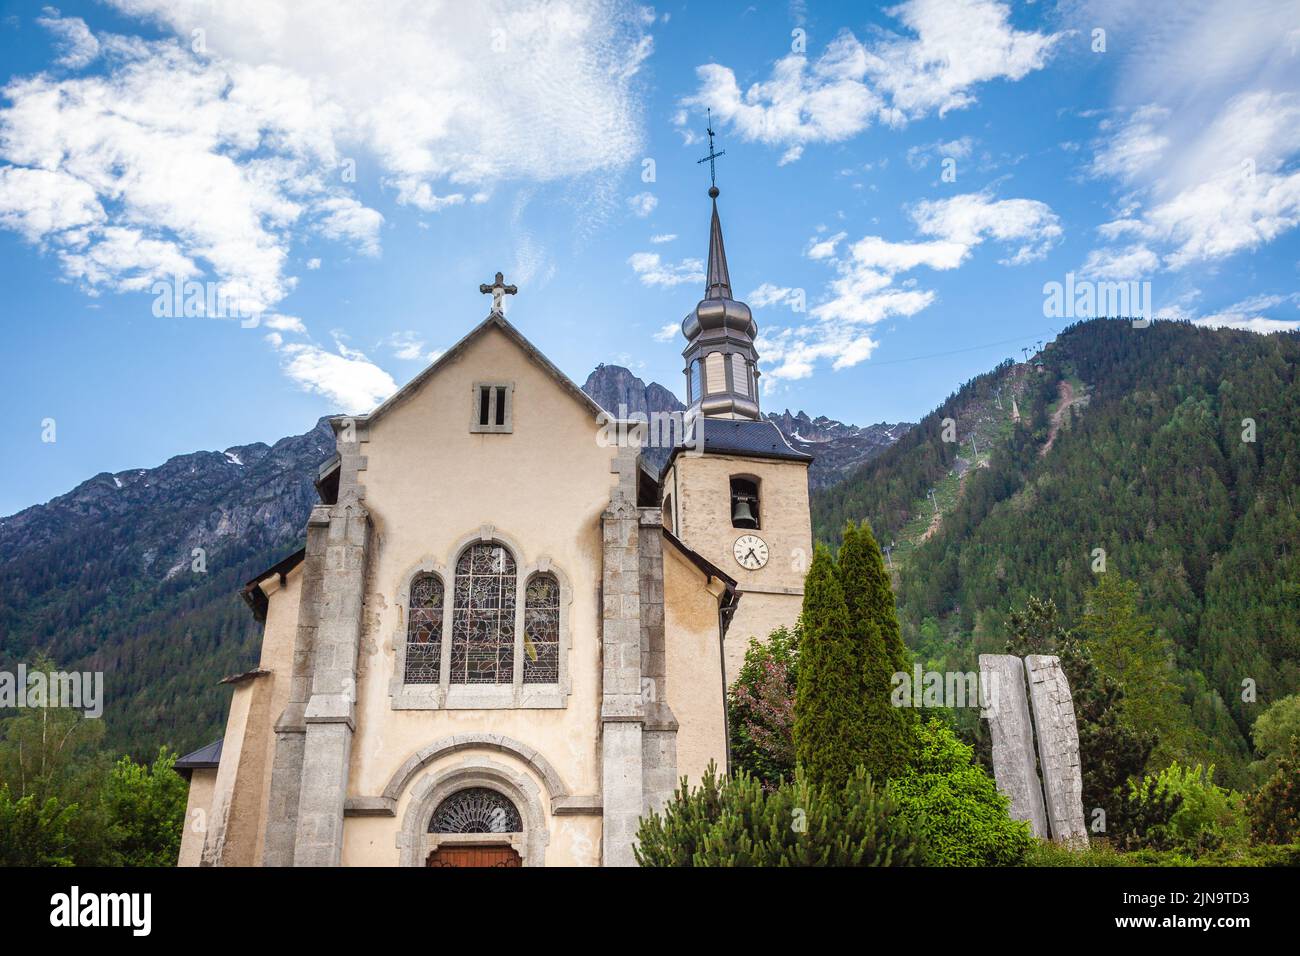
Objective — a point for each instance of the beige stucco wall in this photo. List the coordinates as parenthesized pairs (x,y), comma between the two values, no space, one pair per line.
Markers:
(772,595)
(429,483)
(198,808)
(694,666)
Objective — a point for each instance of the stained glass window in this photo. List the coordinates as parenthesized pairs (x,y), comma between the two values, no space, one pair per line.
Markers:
(542,630)
(476,810)
(483,622)
(424,630)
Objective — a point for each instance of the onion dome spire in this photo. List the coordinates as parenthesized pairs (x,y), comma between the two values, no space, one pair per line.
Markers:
(721,362)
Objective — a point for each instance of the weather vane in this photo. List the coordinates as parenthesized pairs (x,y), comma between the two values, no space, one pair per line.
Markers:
(711,158)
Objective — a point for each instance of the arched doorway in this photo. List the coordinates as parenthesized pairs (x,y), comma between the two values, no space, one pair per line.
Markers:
(475,827)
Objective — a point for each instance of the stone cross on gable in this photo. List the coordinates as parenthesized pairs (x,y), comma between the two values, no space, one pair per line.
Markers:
(498,289)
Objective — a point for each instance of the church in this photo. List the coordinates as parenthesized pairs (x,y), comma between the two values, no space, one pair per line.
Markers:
(507,639)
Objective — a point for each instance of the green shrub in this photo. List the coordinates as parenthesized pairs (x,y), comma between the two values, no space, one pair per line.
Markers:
(735,822)
(760,708)
(34,833)
(1204,816)
(1046,853)
(953,806)
(1275,808)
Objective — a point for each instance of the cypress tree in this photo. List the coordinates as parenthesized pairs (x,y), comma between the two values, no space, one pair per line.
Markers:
(861,575)
(879,598)
(829,730)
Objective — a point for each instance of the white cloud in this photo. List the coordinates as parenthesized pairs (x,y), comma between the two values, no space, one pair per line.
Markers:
(918,157)
(867,290)
(663,237)
(771,294)
(642,204)
(1134,148)
(1208,165)
(952,46)
(668,332)
(1249,323)
(313,264)
(653,271)
(409,346)
(824,248)
(78,45)
(347,378)
(285,323)
(971,218)
(1121,264)
(791,155)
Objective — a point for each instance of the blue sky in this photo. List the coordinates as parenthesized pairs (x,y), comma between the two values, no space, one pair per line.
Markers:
(349,177)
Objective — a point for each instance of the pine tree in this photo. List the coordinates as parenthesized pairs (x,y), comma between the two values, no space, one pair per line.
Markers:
(829,729)
(861,576)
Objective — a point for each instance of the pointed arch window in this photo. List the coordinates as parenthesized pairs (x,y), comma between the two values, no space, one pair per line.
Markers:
(483,621)
(542,630)
(424,630)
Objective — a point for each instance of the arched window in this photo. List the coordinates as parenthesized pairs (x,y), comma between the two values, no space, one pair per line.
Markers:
(483,620)
(476,810)
(424,630)
(542,630)
(744,503)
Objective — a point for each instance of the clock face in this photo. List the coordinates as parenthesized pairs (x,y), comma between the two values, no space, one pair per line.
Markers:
(750,551)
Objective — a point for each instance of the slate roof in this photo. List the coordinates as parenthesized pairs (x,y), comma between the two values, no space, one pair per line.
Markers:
(205,758)
(741,436)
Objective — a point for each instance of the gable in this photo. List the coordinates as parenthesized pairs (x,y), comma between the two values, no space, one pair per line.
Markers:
(466,349)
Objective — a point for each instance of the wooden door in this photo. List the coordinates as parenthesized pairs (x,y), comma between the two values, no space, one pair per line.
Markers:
(474,856)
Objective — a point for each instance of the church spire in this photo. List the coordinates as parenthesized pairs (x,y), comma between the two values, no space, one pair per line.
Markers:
(718,285)
(721,362)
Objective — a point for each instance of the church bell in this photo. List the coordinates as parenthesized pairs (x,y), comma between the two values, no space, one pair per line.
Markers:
(742,514)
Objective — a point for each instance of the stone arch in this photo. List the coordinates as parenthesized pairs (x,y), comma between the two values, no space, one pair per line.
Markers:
(555,788)
(414,843)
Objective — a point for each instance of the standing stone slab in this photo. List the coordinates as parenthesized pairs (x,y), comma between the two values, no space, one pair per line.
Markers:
(1058,748)
(1015,767)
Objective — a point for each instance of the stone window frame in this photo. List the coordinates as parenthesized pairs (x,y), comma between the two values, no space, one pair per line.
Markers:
(515,695)
(475,400)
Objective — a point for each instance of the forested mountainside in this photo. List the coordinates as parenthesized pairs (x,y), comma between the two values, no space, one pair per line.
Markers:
(104,578)
(1174,449)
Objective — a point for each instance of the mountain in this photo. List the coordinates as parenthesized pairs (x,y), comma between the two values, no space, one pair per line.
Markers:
(836,448)
(1173,449)
(106,577)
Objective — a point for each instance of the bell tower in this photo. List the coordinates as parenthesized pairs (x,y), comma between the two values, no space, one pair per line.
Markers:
(737,494)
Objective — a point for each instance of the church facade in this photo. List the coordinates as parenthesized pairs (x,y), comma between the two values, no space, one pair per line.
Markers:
(507,638)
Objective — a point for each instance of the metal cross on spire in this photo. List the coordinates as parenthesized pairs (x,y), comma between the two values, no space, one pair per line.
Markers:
(711,158)
(498,289)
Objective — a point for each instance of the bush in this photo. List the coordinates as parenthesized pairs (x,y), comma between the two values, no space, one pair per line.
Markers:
(147,808)
(34,833)
(1046,853)
(760,708)
(1275,808)
(735,822)
(953,806)
(1204,816)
